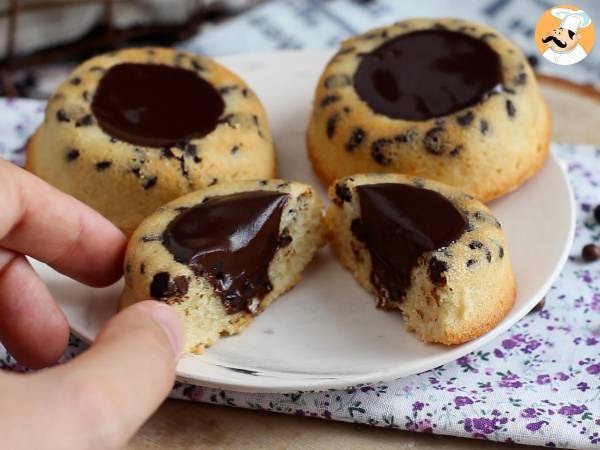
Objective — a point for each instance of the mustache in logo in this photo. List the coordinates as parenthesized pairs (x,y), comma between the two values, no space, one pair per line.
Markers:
(556,41)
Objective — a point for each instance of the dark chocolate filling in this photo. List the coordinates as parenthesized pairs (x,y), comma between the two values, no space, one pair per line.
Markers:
(425,74)
(155,105)
(399,223)
(230,240)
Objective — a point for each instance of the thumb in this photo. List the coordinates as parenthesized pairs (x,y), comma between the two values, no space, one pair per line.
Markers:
(108,392)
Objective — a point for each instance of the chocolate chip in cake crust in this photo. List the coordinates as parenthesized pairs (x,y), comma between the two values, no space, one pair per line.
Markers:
(465,119)
(62,116)
(75,81)
(328,100)
(284,240)
(331,125)
(72,155)
(150,182)
(356,138)
(436,271)
(510,108)
(471,262)
(343,192)
(103,165)
(377,151)
(521,78)
(160,285)
(235,149)
(456,150)
(85,121)
(433,141)
(484,126)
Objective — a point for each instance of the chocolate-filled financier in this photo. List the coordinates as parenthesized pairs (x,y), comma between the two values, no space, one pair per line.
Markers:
(133,129)
(221,255)
(448,99)
(425,248)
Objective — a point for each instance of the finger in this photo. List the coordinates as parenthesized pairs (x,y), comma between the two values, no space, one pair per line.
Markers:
(108,392)
(32,326)
(49,225)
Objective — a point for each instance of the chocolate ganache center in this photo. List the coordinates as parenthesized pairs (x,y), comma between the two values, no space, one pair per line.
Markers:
(155,105)
(398,224)
(231,241)
(425,74)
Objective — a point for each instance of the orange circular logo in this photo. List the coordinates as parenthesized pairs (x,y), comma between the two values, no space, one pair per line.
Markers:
(565,35)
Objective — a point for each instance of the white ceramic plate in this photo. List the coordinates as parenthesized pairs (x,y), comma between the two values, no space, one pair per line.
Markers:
(326,332)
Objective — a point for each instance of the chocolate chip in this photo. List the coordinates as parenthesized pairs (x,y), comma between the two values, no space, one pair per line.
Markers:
(85,121)
(539,305)
(284,184)
(358,229)
(227,89)
(245,92)
(142,268)
(103,165)
(167,153)
(149,182)
(213,182)
(521,78)
(470,262)
(486,36)
(151,51)
(227,119)
(346,50)
(406,137)
(436,269)
(346,109)
(456,150)
(75,81)
(508,90)
(475,244)
(484,126)
(343,192)
(113,140)
(185,208)
(128,268)
(183,168)
(257,125)
(377,151)
(510,108)
(488,255)
(197,159)
(597,213)
(190,149)
(465,119)
(159,287)
(150,238)
(439,26)
(284,240)
(328,100)
(263,182)
(533,61)
(135,171)
(433,141)
(72,154)
(356,138)
(234,149)
(196,65)
(97,69)
(500,252)
(181,284)
(331,124)
(86,96)
(590,253)
(61,115)
(337,81)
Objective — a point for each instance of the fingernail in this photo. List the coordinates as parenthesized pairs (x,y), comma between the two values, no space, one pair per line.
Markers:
(171,324)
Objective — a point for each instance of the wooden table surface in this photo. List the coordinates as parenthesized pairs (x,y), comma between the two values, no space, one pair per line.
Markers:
(189,425)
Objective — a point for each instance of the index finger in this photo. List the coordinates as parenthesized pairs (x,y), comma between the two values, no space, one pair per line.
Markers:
(40,221)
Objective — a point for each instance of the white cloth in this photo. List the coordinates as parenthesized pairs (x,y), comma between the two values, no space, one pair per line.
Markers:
(565,58)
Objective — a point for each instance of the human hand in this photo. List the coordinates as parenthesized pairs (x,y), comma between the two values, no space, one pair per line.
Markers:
(99,399)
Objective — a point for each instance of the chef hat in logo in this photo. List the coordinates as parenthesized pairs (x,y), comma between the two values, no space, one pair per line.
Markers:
(572,20)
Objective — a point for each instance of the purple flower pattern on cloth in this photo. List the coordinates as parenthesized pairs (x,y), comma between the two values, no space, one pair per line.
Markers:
(538,383)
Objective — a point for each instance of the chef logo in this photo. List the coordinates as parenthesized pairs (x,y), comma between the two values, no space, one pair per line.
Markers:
(564,35)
